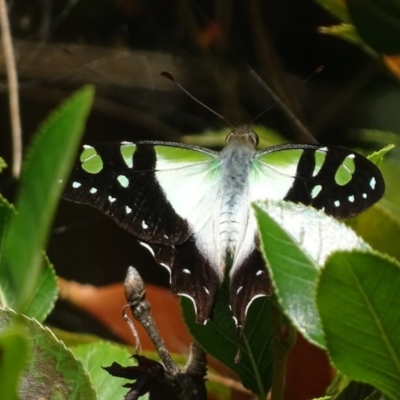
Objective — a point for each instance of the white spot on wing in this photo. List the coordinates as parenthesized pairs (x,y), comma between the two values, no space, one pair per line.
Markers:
(144,225)
(364,195)
(206,290)
(351,199)
(186,271)
(336,203)
(146,246)
(372,183)
(251,301)
(111,199)
(93,190)
(76,185)
(128,210)
(123,181)
(259,272)
(239,289)
(166,267)
(194,303)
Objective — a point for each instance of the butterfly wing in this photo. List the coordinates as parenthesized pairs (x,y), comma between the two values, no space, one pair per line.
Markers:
(338,181)
(162,194)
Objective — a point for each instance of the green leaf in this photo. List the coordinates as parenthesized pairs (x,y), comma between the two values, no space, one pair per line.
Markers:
(52,372)
(14,354)
(378,23)
(391,172)
(345,32)
(323,398)
(3,164)
(47,164)
(46,290)
(7,210)
(100,354)
(380,228)
(44,294)
(359,391)
(358,301)
(377,156)
(336,7)
(296,241)
(218,338)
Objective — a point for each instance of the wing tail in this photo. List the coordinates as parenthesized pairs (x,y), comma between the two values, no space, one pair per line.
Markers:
(249,281)
(192,276)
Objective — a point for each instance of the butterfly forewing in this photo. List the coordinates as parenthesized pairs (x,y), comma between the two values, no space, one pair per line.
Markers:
(130,182)
(338,181)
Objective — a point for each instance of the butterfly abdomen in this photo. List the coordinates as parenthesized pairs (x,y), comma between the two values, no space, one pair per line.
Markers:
(236,161)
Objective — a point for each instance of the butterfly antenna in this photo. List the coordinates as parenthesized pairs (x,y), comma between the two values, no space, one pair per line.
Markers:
(279,101)
(171,78)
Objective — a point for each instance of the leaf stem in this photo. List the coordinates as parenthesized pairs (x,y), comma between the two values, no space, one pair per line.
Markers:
(284,337)
(258,378)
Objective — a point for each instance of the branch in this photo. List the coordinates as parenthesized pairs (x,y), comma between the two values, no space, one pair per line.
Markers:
(13,90)
(189,384)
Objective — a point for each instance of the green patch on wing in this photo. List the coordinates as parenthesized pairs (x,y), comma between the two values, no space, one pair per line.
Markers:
(287,158)
(181,155)
(91,160)
(345,171)
(127,151)
(320,157)
(285,161)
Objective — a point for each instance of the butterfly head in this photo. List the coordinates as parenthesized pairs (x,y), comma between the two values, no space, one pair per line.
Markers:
(243,135)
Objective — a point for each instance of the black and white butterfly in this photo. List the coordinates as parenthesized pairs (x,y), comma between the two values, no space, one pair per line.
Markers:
(190,206)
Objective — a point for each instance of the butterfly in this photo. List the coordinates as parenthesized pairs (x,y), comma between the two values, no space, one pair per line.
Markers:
(191,206)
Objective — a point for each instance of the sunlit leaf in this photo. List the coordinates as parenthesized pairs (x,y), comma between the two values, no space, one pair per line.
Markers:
(358,301)
(296,241)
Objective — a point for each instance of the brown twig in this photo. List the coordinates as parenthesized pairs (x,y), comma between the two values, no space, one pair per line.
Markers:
(189,384)
(136,295)
(13,90)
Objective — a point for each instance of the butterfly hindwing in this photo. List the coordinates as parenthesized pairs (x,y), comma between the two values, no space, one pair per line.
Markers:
(248,282)
(191,274)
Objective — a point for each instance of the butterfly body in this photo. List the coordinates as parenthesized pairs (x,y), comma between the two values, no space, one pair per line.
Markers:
(192,206)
